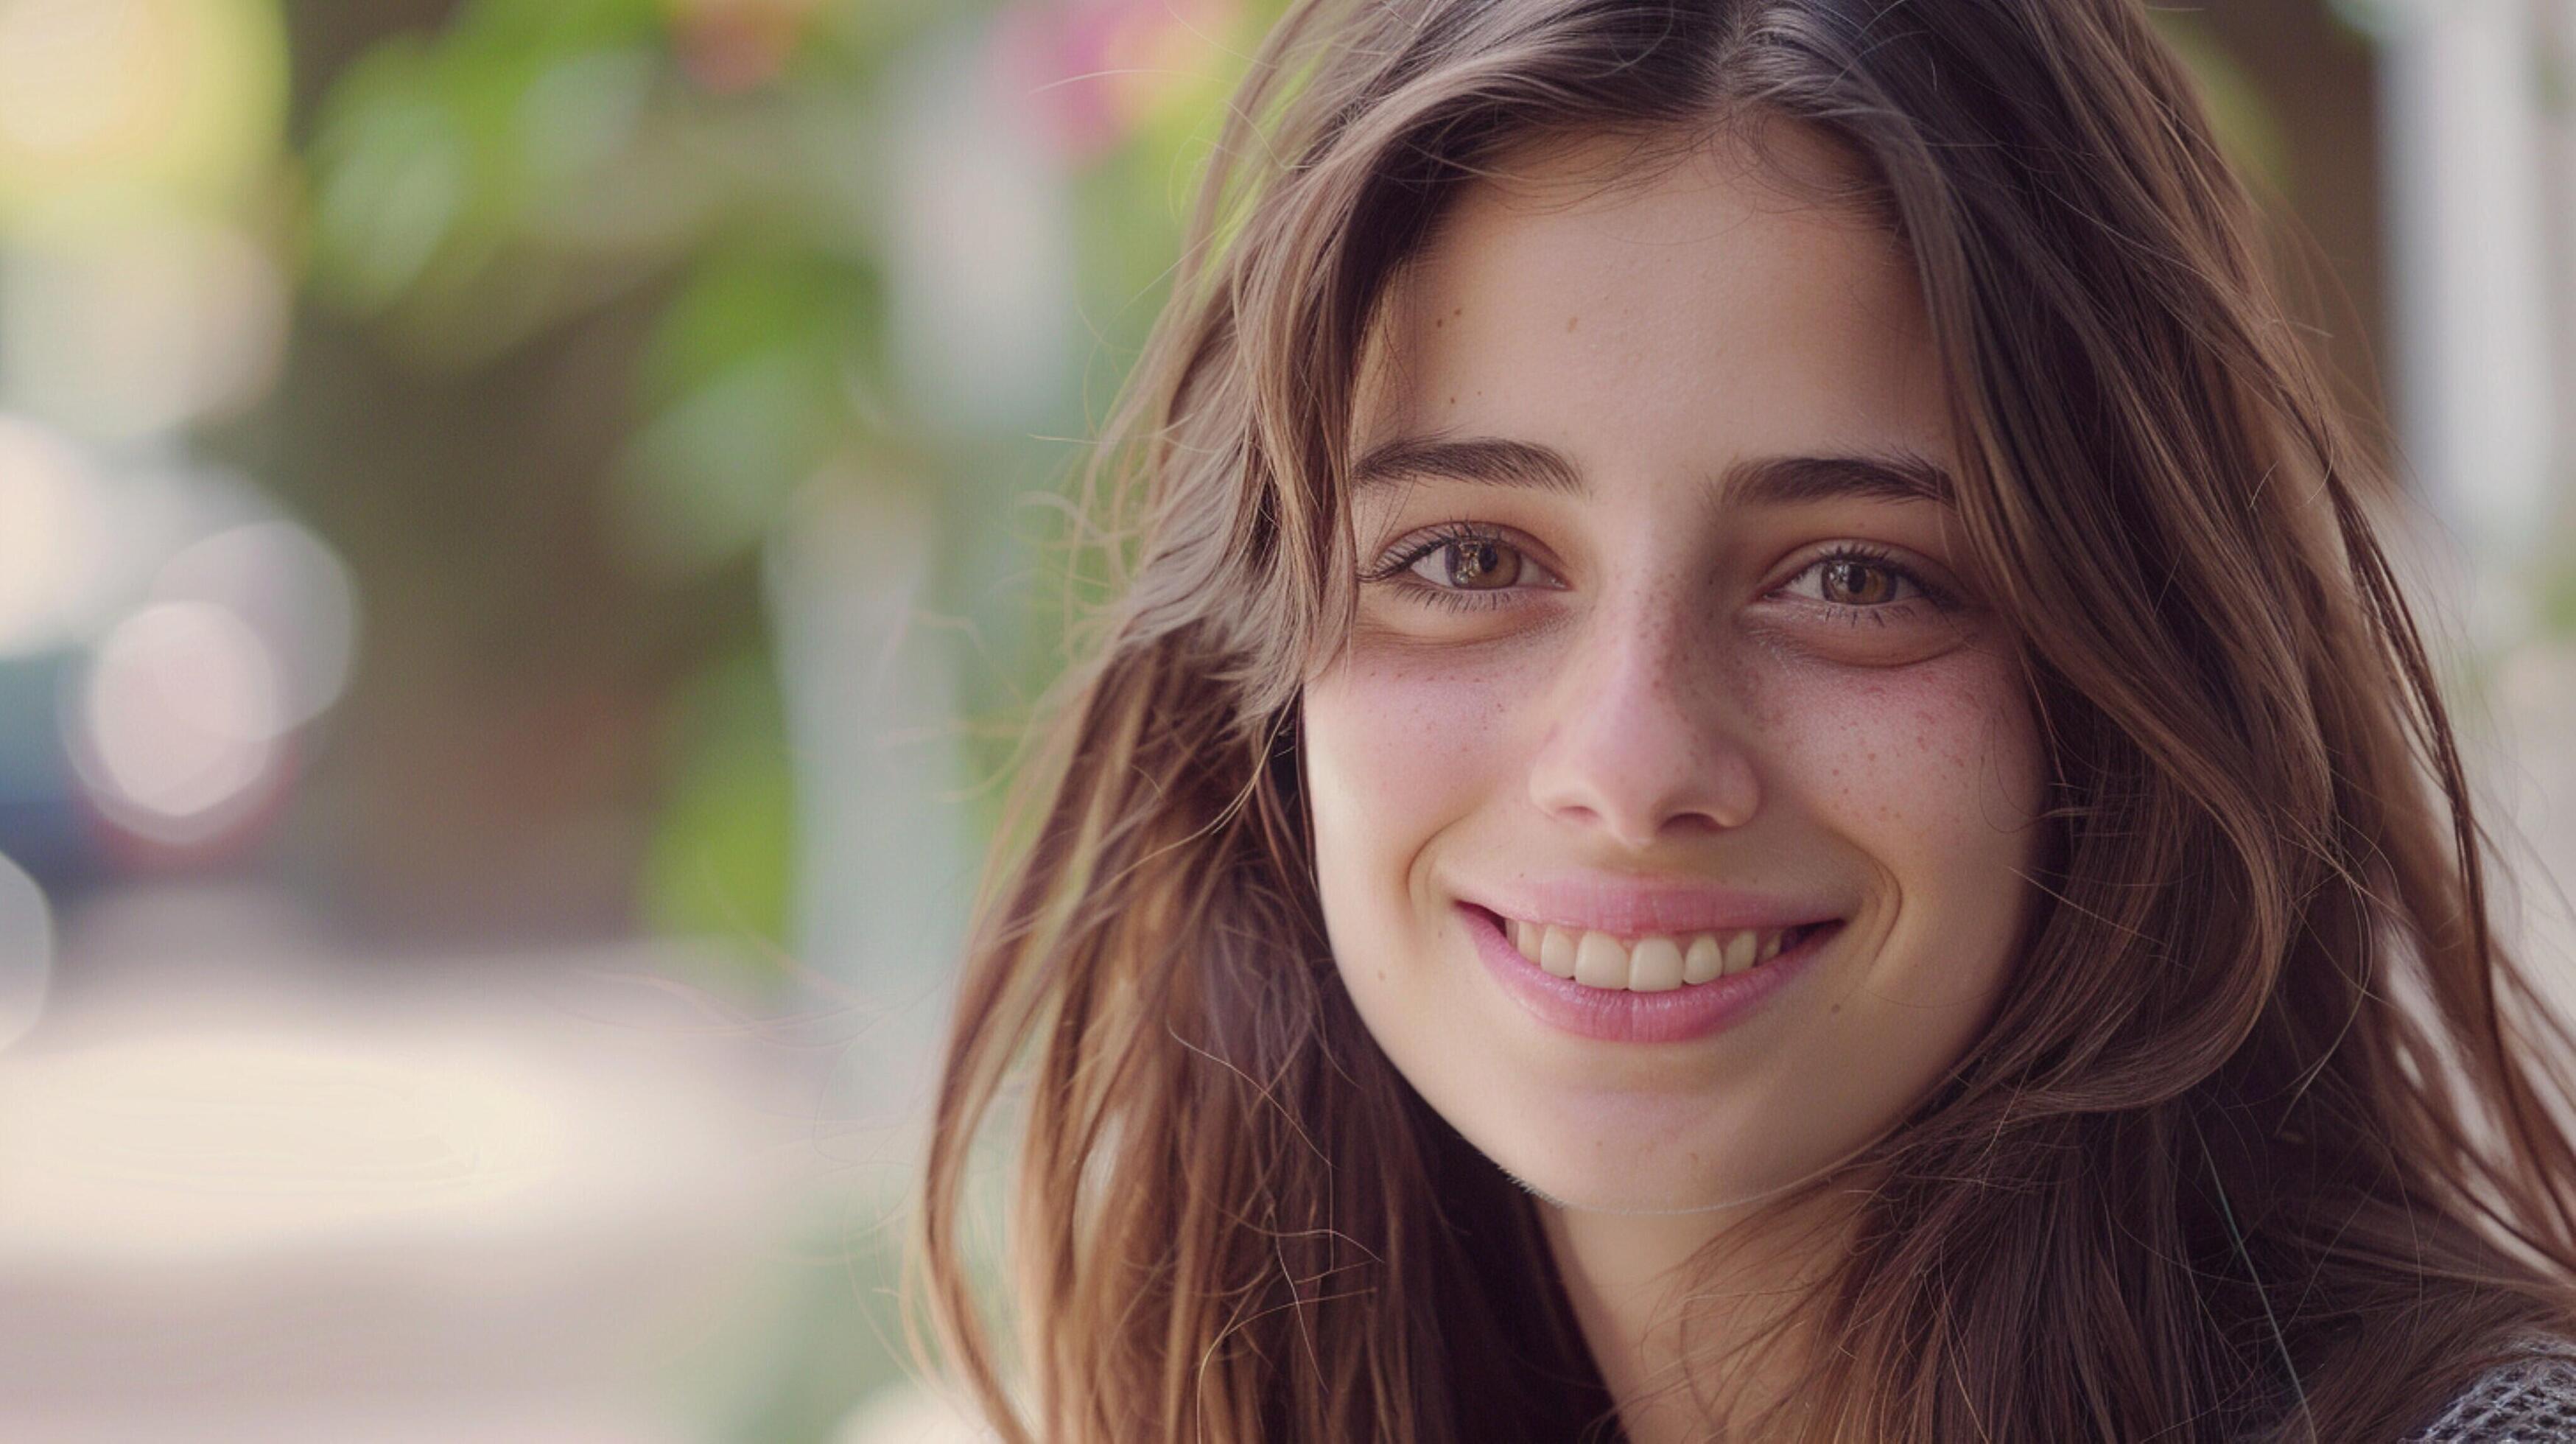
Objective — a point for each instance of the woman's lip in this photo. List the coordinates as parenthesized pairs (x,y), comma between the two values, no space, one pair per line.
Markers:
(1610,1015)
(1629,909)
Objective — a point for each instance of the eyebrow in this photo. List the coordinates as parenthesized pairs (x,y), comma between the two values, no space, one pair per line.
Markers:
(1880,475)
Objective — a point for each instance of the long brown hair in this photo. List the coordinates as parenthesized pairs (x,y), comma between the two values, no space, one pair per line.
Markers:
(2266,1139)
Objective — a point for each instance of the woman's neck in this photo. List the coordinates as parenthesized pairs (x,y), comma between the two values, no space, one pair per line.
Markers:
(1661,1295)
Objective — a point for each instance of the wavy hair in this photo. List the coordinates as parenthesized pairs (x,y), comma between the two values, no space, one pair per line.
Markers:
(2267,1139)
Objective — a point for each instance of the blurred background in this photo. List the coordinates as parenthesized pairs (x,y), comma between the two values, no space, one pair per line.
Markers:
(525,527)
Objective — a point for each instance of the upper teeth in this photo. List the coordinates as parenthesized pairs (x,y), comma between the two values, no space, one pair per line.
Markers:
(1651,964)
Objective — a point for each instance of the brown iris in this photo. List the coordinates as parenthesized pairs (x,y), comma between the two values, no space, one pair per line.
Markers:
(1478,565)
(1858,583)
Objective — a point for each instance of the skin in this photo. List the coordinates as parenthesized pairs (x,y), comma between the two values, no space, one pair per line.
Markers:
(1667,686)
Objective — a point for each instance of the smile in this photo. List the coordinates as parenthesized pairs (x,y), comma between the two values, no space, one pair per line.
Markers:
(1651,988)
(1650,964)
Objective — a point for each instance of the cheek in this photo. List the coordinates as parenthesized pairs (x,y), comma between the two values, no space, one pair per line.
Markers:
(1934,773)
(1395,748)
(1396,751)
(1892,751)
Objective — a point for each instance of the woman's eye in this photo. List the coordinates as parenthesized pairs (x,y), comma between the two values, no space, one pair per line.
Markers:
(1472,564)
(1462,567)
(1856,579)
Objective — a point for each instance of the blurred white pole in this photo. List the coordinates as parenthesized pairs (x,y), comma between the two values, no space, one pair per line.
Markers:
(2554,55)
(884,868)
(982,282)
(979,245)
(2481,170)
(2462,118)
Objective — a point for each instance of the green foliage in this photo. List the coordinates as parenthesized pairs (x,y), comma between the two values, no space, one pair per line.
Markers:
(722,860)
(535,159)
(2557,589)
(756,375)
(713,184)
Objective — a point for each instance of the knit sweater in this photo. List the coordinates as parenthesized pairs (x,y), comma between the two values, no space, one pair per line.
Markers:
(2526,1400)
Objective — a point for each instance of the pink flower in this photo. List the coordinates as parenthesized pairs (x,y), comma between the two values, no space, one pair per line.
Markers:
(1093,70)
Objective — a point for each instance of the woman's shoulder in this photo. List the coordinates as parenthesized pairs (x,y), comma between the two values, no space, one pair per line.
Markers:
(2527,1399)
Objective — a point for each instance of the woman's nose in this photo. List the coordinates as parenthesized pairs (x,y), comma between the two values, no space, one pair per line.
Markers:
(1642,743)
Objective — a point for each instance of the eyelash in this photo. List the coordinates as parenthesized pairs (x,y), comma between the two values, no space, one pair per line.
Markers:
(1394,568)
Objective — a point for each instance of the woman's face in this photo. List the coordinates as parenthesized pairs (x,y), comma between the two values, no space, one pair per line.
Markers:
(1668,656)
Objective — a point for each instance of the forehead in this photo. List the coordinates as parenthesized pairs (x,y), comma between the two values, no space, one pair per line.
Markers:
(1690,313)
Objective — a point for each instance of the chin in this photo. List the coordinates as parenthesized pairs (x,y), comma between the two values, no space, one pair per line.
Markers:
(1617,1150)
(1591,1196)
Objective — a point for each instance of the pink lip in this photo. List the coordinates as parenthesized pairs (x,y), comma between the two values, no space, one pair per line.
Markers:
(1694,1010)
(1627,908)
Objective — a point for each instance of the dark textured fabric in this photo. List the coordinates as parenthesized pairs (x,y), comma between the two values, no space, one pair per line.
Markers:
(2529,1400)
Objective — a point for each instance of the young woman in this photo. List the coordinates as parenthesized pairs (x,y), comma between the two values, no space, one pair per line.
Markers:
(1754,776)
